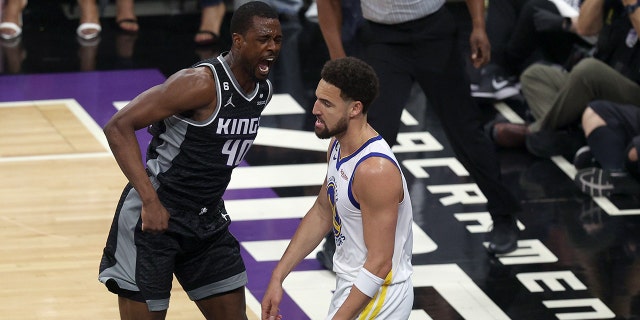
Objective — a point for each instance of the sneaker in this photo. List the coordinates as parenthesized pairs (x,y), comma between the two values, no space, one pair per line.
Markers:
(584,159)
(503,237)
(547,143)
(494,84)
(602,183)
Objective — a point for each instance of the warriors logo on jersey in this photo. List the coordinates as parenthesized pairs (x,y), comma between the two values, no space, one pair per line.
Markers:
(332,194)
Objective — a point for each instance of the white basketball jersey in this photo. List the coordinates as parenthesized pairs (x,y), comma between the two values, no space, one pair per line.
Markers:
(351,251)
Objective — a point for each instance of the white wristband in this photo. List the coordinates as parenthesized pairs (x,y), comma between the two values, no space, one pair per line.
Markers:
(368,283)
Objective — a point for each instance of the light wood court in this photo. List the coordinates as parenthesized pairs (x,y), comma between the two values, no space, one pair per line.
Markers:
(59,188)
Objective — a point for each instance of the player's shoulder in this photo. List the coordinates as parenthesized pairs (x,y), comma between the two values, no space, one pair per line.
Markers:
(377,163)
(195,77)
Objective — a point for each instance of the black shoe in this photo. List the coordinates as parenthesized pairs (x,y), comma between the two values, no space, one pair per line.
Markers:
(495,84)
(503,237)
(602,183)
(584,159)
(547,143)
(506,134)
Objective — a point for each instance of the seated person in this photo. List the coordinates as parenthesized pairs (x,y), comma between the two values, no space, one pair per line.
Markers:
(557,98)
(609,163)
(523,32)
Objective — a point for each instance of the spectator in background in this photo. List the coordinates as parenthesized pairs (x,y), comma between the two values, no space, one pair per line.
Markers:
(523,32)
(557,98)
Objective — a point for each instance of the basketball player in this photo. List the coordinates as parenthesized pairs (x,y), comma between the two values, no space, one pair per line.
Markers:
(364,198)
(171,217)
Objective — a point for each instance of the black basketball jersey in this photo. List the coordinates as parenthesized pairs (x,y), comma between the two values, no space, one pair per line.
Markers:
(193,160)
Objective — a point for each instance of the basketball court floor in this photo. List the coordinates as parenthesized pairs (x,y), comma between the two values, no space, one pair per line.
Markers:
(577,257)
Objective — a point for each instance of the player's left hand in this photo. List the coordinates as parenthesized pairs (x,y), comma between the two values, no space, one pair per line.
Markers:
(480,47)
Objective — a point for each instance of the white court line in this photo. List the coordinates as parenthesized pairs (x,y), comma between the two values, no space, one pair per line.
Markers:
(408,119)
(568,168)
(286,138)
(80,113)
(508,113)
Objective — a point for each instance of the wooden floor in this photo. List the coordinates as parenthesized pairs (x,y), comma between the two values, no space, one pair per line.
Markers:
(59,182)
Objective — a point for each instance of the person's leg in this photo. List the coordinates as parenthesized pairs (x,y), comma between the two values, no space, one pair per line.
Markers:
(11,26)
(446,86)
(497,80)
(589,80)
(540,85)
(135,265)
(229,305)
(89,27)
(591,121)
(126,16)
(609,128)
(135,310)
(607,142)
(211,269)
(393,70)
(213,12)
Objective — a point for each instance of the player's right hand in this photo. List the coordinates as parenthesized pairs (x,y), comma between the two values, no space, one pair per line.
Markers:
(155,218)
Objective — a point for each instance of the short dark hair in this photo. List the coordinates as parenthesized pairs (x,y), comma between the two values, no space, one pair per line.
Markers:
(355,78)
(242,19)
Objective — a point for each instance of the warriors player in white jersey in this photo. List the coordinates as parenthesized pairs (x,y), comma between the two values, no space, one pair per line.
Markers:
(364,199)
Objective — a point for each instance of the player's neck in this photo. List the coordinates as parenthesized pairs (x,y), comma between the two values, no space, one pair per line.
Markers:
(354,138)
(246,82)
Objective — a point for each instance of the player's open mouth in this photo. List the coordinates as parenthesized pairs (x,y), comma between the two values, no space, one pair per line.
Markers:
(264,65)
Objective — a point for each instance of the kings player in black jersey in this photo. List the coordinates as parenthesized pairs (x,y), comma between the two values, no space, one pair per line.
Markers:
(171,217)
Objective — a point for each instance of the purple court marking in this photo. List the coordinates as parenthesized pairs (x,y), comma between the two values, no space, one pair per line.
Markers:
(96,92)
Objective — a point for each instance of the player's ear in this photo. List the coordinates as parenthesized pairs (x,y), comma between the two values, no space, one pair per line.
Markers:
(236,38)
(356,108)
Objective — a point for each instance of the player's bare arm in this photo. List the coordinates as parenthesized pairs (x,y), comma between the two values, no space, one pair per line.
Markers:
(189,89)
(312,229)
(377,186)
(330,21)
(590,19)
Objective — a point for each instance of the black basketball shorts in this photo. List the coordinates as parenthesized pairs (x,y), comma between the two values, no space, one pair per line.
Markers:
(198,248)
